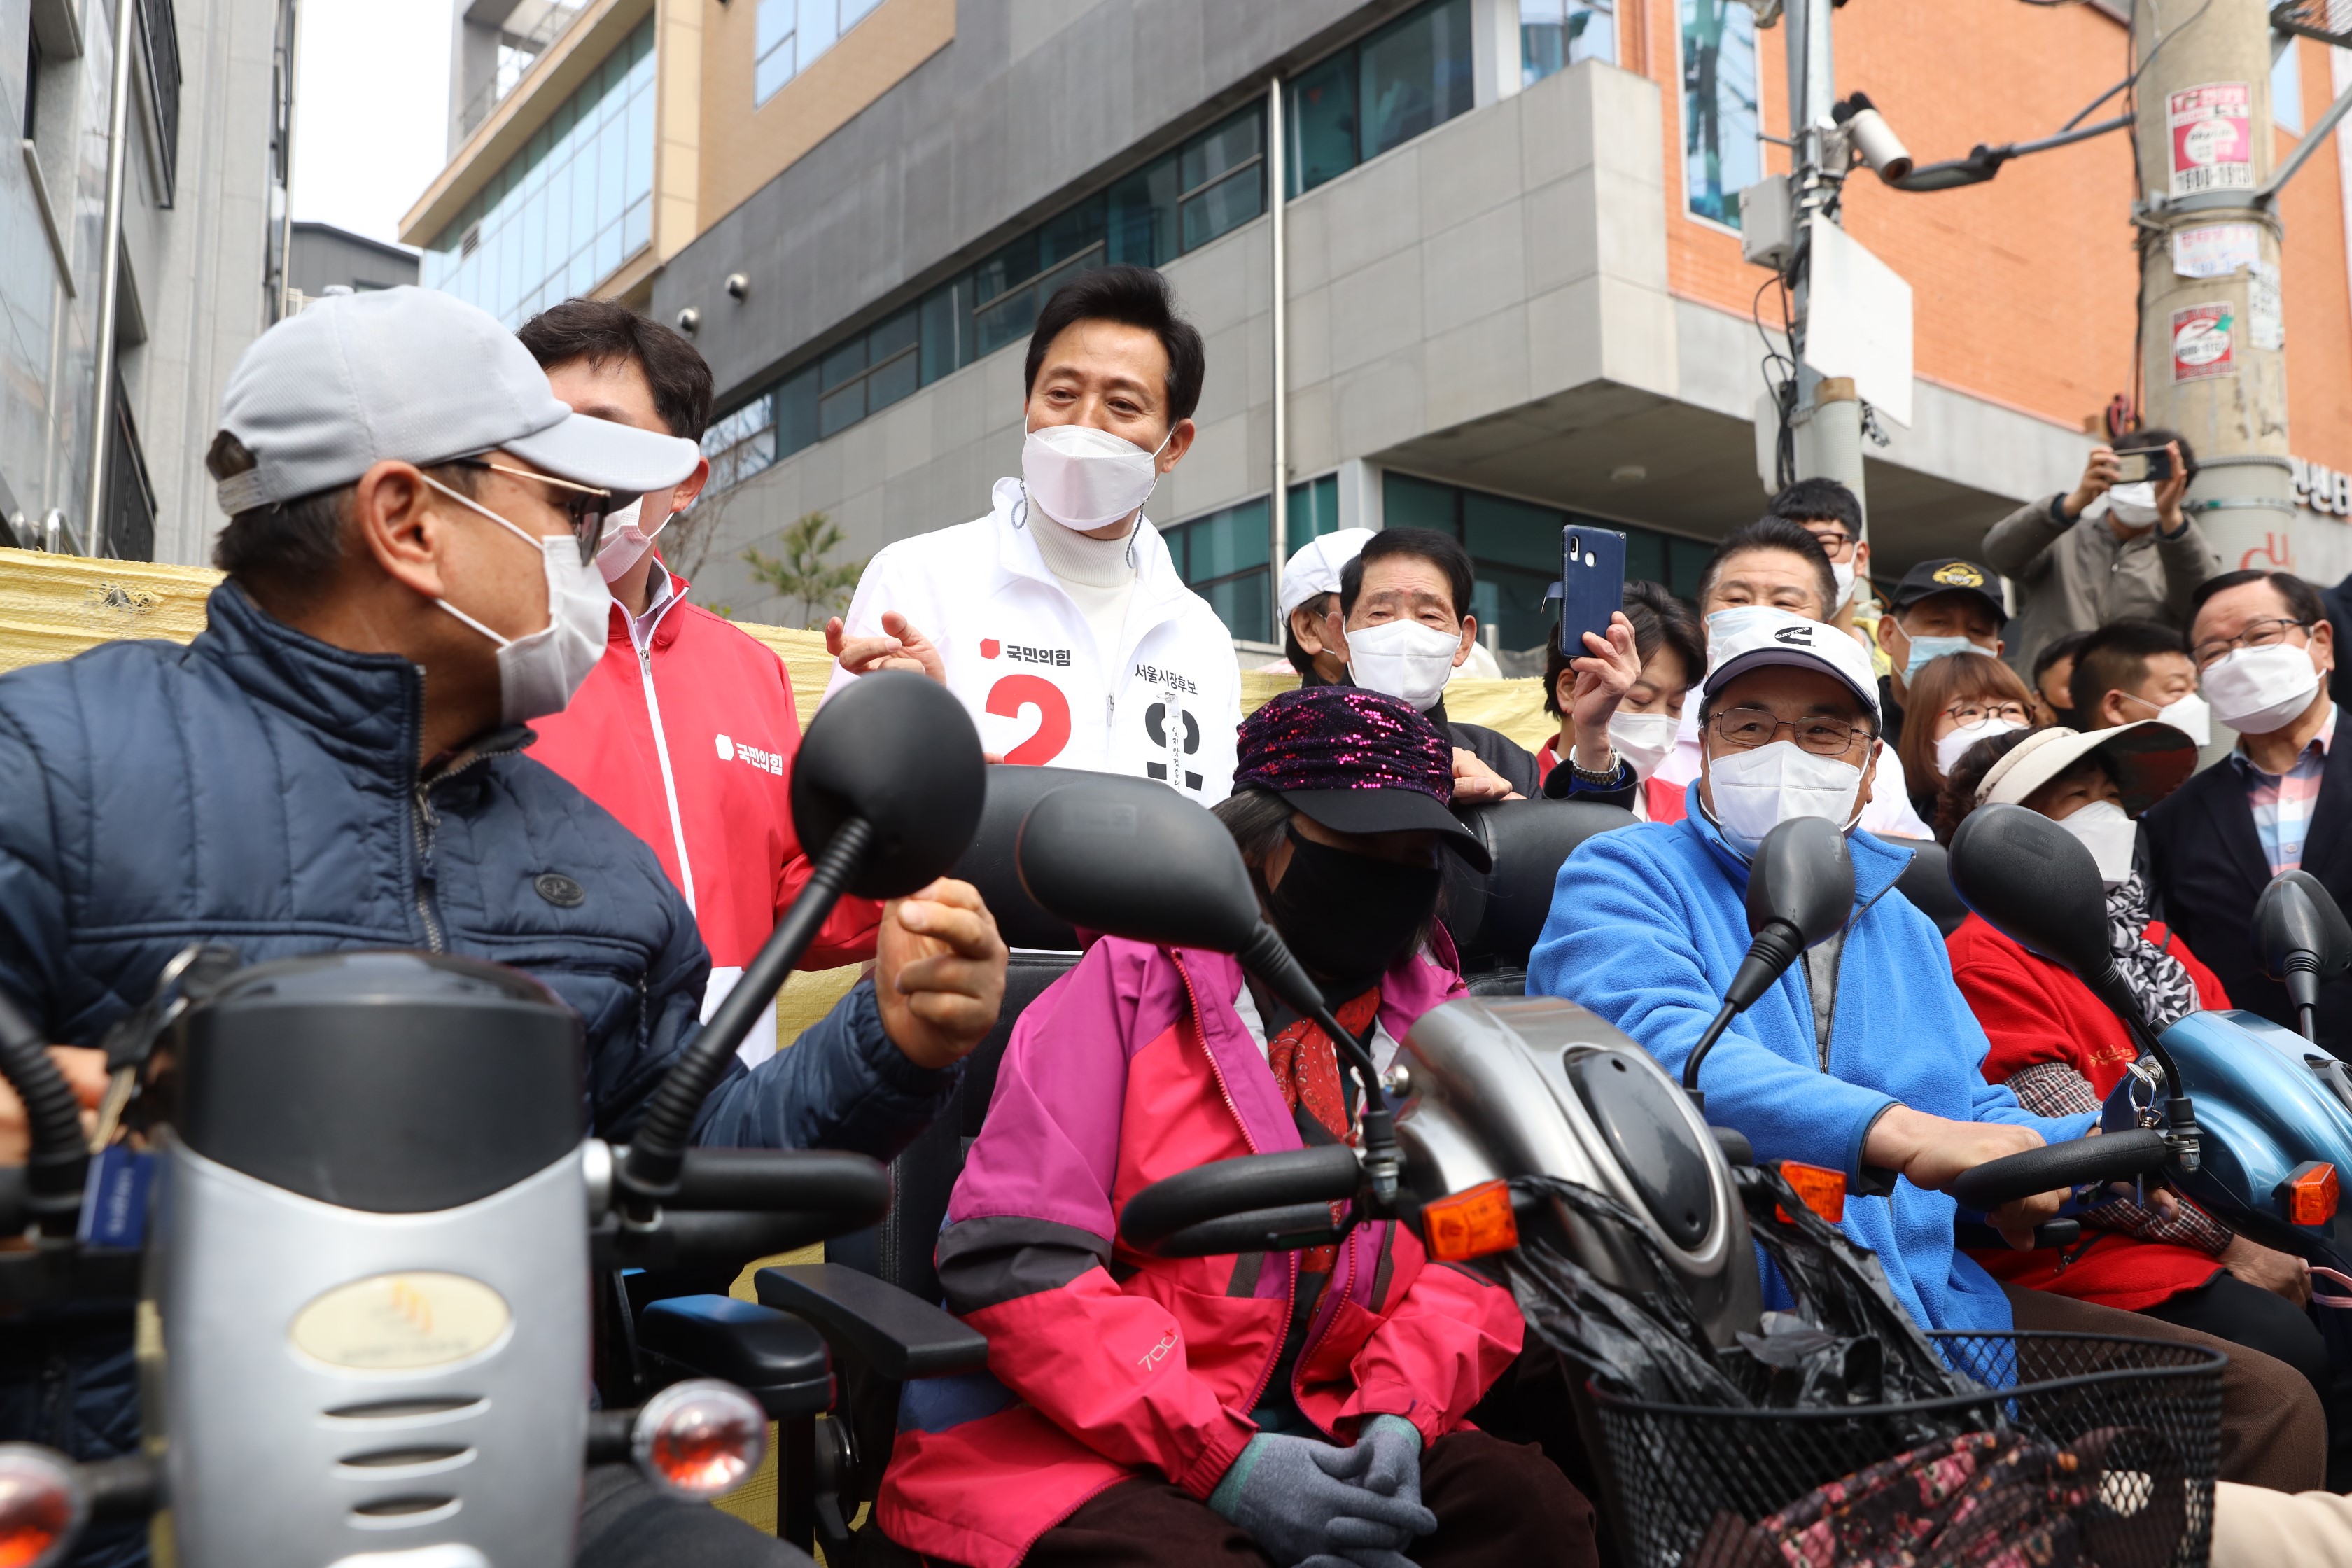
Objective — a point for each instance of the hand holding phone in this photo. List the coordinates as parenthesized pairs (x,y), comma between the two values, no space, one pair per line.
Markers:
(2143,465)
(1591,584)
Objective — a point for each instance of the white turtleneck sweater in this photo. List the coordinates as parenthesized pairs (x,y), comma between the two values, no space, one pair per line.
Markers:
(1094,572)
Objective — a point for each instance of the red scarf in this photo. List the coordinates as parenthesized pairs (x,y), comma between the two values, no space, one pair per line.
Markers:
(1306,1063)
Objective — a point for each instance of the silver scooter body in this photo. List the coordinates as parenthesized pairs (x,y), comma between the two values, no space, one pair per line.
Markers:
(1499,1087)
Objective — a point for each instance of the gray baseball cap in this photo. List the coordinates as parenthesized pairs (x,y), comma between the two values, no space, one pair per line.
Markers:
(419,376)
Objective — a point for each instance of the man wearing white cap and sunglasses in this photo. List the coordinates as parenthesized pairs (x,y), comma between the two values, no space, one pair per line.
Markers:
(1864,1057)
(337,763)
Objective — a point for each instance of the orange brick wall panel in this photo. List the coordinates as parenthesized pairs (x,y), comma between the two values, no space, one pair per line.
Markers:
(2317,296)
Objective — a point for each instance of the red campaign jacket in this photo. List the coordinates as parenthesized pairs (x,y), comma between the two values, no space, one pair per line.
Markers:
(2036,1011)
(1104,1364)
(690,744)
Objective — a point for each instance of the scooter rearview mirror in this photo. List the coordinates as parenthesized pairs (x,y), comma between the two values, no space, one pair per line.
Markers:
(1136,859)
(886,790)
(2302,939)
(1800,894)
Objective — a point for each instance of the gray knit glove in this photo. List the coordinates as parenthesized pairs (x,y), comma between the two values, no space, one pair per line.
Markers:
(1301,1499)
(1391,1470)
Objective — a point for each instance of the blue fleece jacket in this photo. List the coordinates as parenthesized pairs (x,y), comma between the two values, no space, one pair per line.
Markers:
(1647,926)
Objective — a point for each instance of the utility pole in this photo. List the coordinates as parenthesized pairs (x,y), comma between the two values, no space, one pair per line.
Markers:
(1826,423)
(2211,334)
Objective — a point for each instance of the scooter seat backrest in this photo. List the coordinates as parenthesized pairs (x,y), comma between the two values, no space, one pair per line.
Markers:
(1928,882)
(1495,918)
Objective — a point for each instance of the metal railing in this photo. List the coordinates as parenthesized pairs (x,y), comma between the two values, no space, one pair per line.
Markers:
(527,34)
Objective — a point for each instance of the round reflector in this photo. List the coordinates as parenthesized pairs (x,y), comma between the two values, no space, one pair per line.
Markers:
(41,1506)
(697,1438)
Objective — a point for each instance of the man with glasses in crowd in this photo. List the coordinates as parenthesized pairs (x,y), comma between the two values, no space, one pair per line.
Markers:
(337,762)
(1864,1057)
(2264,648)
(1829,511)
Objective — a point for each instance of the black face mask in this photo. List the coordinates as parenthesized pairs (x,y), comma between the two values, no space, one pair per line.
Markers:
(1349,917)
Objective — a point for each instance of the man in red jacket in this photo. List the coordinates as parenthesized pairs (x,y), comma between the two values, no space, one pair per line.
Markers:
(686,730)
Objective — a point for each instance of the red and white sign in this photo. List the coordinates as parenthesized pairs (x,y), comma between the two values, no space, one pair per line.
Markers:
(2212,138)
(2203,342)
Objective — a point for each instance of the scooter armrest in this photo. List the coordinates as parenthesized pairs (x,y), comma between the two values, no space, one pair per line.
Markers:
(778,1359)
(898,1335)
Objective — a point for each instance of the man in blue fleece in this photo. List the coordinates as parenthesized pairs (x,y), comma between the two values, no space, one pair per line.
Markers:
(1864,1058)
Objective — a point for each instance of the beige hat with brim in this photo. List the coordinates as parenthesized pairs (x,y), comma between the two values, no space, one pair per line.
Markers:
(2147,759)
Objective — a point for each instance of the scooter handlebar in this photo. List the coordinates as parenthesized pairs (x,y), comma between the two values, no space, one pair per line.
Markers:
(1326,1174)
(2111,1157)
(816,1182)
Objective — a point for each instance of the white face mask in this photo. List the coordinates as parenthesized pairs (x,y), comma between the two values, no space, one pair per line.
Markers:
(2191,715)
(2133,504)
(1643,738)
(1963,736)
(2109,835)
(1083,478)
(1844,571)
(625,541)
(1404,659)
(2256,690)
(539,673)
(1755,792)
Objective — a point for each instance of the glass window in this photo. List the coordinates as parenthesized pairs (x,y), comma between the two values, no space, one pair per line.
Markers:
(1415,75)
(1720,107)
(791,34)
(741,444)
(1222,558)
(2286,89)
(1555,34)
(796,415)
(1224,175)
(1410,503)
(1314,510)
(1142,223)
(937,332)
(565,212)
(1398,82)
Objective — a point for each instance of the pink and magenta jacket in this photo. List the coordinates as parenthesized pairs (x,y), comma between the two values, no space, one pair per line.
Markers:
(1105,1364)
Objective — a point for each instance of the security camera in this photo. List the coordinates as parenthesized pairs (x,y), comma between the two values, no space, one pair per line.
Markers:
(738,286)
(1869,134)
(689,321)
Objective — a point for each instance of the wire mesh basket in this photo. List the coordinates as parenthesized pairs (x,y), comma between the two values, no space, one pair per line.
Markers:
(2092,1448)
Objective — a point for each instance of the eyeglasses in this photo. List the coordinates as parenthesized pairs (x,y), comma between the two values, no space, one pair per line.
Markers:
(585,508)
(2257,634)
(1976,711)
(1834,544)
(1749,728)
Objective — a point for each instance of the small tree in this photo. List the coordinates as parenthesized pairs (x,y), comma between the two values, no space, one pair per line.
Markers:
(800,572)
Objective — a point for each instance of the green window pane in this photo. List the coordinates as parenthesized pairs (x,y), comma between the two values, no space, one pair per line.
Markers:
(1314,510)
(900,331)
(1226,541)
(1645,557)
(1512,532)
(1222,150)
(1008,268)
(1415,74)
(1720,113)
(1245,603)
(837,411)
(1322,122)
(1006,321)
(1224,207)
(1686,561)
(844,363)
(1067,234)
(1409,502)
(1511,600)
(937,319)
(1142,222)
(891,382)
(796,417)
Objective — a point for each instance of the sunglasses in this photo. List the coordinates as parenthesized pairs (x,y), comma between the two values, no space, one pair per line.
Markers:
(585,506)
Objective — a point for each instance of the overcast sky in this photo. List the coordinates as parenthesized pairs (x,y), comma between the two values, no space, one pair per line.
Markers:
(370,110)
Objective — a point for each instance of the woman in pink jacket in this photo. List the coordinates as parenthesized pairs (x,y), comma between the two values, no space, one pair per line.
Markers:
(1286,1406)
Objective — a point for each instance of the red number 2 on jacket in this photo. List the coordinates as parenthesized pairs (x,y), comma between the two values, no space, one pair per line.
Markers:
(1009,696)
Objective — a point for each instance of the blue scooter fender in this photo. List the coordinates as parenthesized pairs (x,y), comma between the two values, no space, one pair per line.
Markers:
(2263,1110)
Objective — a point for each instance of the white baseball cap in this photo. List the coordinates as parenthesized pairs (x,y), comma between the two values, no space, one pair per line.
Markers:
(1315,566)
(423,377)
(1751,636)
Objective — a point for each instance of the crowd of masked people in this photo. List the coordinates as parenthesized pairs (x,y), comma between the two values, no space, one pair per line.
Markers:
(450,696)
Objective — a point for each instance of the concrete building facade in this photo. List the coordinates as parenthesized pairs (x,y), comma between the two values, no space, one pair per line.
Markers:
(203,245)
(1513,284)
(320,257)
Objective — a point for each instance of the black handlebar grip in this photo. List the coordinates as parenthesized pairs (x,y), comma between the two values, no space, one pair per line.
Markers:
(2111,1157)
(1328,1174)
(828,1183)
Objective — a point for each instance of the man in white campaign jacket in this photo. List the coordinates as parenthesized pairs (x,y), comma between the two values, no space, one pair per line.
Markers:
(1072,642)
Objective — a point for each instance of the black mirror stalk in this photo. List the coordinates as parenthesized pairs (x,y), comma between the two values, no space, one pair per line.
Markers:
(1800,894)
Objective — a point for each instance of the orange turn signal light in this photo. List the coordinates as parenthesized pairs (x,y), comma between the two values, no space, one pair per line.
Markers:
(700,1438)
(1823,1189)
(41,1506)
(2311,1193)
(1471,1223)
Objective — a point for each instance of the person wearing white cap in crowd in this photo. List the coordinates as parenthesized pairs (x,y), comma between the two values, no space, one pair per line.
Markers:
(1861,1058)
(337,762)
(1310,589)
(1061,619)
(1773,563)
